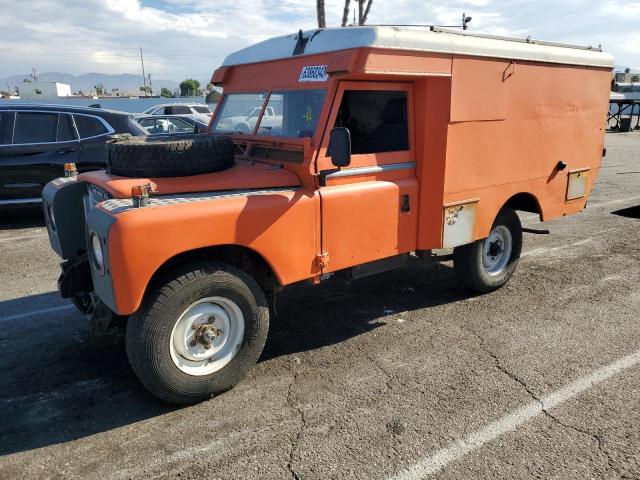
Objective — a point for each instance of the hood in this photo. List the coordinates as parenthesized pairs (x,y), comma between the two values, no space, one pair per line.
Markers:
(244,175)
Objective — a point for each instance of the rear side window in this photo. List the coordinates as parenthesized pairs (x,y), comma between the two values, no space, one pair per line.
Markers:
(65,129)
(89,126)
(201,109)
(376,119)
(180,110)
(35,128)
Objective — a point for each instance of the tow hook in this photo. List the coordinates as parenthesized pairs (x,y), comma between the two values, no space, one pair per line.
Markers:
(205,333)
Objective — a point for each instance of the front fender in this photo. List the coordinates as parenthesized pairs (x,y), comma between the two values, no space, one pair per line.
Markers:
(279,225)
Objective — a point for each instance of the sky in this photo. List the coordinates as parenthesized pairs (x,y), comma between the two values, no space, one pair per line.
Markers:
(190,38)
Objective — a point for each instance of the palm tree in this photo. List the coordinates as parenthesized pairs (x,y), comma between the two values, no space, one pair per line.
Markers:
(345,13)
(322,23)
(363,12)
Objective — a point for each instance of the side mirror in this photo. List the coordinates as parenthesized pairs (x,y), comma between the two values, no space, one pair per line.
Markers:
(340,147)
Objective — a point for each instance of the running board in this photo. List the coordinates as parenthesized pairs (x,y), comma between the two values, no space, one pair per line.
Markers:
(377,266)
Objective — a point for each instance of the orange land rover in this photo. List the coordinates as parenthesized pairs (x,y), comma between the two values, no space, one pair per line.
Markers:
(332,151)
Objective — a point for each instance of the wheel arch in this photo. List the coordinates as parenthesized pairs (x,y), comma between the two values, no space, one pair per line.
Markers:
(525,202)
(240,256)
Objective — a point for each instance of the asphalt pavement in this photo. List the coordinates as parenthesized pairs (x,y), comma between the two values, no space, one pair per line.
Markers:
(397,376)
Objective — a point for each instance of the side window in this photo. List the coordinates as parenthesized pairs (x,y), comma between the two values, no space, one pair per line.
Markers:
(65,129)
(177,125)
(376,119)
(6,127)
(180,110)
(152,125)
(89,126)
(35,128)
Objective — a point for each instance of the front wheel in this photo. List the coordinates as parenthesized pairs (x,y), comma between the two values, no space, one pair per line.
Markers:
(198,333)
(487,264)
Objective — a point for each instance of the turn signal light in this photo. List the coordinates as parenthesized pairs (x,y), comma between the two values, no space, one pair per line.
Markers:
(140,195)
(70,170)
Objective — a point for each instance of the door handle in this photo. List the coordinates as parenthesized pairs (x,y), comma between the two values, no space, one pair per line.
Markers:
(66,150)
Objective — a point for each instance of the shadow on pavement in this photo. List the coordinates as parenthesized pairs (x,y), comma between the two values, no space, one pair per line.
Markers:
(26,217)
(56,387)
(631,212)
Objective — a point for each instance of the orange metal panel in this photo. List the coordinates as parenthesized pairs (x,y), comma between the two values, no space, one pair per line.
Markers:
(433,97)
(390,62)
(281,227)
(362,221)
(480,89)
(555,113)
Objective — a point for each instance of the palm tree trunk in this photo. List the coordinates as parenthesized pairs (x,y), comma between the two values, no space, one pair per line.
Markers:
(345,13)
(321,18)
(366,12)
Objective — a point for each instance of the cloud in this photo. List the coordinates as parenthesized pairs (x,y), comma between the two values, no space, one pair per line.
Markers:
(183,38)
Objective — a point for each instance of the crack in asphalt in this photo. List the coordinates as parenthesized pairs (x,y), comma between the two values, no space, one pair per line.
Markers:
(303,425)
(598,439)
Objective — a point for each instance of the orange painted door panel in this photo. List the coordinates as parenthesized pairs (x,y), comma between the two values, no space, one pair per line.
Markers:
(369,209)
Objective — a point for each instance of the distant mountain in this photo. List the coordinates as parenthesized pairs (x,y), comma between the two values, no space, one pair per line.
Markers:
(126,83)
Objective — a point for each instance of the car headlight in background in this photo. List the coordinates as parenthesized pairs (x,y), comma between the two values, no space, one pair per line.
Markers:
(96,253)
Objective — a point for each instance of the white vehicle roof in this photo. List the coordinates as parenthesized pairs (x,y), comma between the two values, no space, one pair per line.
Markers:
(435,39)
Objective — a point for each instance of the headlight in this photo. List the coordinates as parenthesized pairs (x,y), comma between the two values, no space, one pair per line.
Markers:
(96,253)
(52,220)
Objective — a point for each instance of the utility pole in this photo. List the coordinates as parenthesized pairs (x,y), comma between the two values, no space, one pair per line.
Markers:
(144,77)
(150,86)
(34,75)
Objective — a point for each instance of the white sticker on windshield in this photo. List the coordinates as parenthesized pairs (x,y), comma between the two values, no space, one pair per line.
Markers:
(314,73)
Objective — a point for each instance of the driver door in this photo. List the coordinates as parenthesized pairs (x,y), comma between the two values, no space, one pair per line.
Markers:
(369,209)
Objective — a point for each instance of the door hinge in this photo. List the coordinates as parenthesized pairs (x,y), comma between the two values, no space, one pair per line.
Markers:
(322,259)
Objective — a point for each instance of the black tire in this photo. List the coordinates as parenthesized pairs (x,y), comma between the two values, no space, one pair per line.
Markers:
(168,155)
(468,259)
(149,331)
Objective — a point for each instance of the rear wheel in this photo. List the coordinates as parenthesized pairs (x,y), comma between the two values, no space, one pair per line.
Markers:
(486,265)
(198,333)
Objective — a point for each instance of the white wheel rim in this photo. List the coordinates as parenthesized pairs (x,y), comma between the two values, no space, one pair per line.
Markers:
(496,251)
(217,320)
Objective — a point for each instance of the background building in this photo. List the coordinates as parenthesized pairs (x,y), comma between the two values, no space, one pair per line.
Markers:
(44,90)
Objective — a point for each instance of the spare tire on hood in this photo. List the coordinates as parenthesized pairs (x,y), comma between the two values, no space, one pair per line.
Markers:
(168,155)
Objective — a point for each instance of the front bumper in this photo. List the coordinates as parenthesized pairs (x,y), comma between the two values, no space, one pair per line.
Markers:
(69,209)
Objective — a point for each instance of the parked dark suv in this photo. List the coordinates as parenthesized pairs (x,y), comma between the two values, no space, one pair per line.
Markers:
(37,140)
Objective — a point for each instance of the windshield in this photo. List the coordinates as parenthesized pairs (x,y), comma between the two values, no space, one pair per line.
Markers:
(291,113)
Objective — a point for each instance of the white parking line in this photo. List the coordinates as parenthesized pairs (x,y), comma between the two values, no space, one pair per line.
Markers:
(20,316)
(541,250)
(511,421)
